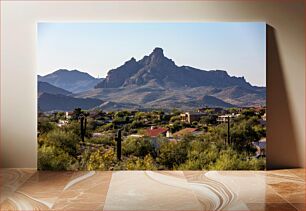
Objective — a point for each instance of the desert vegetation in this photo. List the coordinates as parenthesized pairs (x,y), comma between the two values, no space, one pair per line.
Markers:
(60,145)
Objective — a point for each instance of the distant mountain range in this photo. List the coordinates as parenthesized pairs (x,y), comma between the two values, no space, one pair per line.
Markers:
(72,81)
(158,71)
(152,82)
(59,102)
(44,87)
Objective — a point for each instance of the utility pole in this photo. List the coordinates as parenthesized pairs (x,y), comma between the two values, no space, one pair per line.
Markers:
(83,123)
(228,130)
(118,139)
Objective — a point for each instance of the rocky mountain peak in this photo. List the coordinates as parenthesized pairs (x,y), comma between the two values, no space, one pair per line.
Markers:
(158,70)
(131,61)
(157,58)
(157,55)
(158,52)
(154,81)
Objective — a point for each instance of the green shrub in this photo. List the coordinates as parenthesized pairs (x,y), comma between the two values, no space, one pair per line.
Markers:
(136,163)
(139,147)
(54,158)
(171,155)
(68,141)
(106,139)
(44,125)
(101,161)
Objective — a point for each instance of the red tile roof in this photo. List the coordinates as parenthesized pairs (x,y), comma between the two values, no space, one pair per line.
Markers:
(155,131)
(185,131)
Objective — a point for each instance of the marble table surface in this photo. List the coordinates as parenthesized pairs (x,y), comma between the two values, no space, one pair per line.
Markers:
(28,189)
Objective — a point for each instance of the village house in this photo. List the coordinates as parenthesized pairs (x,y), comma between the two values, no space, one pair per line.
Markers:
(154,131)
(62,123)
(224,118)
(214,109)
(136,136)
(259,109)
(185,131)
(263,120)
(68,115)
(169,134)
(191,116)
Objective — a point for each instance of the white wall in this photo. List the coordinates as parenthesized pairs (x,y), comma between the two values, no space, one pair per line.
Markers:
(286,63)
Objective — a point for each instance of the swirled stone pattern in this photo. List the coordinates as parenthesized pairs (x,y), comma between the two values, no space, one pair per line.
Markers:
(28,189)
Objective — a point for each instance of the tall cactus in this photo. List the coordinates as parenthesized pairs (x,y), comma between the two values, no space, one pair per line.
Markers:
(118,139)
(83,122)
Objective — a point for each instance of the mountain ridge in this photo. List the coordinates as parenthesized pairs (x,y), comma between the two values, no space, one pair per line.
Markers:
(162,71)
(44,87)
(155,81)
(70,80)
(59,102)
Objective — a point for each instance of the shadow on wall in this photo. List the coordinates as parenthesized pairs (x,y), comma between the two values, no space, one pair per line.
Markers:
(281,141)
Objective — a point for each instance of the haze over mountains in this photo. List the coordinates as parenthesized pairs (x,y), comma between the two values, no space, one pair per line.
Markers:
(72,81)
(44,87)
(152,82)
(50,102)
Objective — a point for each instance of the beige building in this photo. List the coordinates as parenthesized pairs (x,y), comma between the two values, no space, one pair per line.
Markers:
(191,116)
(224,118)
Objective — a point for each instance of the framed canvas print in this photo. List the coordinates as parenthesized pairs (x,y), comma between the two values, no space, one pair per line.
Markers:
(151,96)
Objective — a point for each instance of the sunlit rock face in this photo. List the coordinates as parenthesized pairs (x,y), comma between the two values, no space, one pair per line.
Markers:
(164,72)
(155,81)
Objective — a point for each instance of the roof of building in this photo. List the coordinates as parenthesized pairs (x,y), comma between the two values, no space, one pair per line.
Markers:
(259,108)
(154,132)
(193,113)
(228,115)
(136,135)
(185,131)
(196,113)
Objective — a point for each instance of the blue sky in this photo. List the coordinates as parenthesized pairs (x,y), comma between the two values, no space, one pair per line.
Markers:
(238,48)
